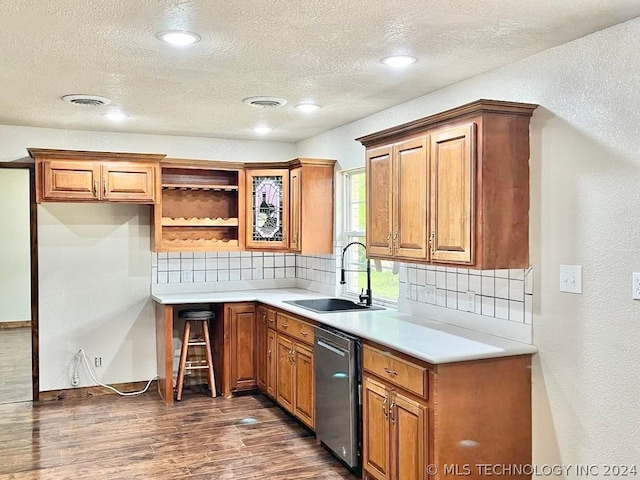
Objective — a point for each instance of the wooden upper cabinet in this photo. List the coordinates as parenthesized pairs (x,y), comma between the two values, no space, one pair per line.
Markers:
(378,193)
(410,194)
(311,206)
(70,180)
(296,207)
(267,217)
(472,163)
(453,194)
(128,182)
(77,176)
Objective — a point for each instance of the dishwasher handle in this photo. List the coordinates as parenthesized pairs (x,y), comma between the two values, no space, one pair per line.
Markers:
(322,343)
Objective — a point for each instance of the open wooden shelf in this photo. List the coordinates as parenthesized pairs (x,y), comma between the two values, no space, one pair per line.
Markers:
(218,188)
(199,210)
(202,242)
(199,222)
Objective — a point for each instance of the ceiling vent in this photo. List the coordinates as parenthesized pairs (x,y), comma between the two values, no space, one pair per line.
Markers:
(87,100)
(265,102)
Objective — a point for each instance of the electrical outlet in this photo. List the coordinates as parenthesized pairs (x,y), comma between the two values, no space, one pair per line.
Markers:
(431,294)
(97,362)
(636,286)
(471,301)
(571,278)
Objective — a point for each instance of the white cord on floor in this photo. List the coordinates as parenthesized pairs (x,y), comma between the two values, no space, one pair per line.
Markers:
(90,370)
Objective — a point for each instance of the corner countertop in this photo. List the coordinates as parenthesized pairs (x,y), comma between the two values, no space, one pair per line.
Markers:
(426,339)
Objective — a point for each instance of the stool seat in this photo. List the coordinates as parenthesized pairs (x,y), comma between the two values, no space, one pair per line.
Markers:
(202,317)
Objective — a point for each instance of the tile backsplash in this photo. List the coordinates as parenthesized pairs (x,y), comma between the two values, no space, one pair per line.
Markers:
(501,294)
(197,267)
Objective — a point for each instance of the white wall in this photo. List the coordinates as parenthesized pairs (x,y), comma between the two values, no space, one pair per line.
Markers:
(95,259)
(15,263)
(585,178)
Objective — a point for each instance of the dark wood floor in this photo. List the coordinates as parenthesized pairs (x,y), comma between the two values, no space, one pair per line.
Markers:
(15,365)
(111,437)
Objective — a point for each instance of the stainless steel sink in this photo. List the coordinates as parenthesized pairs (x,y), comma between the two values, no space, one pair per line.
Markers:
(327,305)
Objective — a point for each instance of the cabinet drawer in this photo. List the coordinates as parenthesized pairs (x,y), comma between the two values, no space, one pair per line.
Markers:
(395,370)
(295,328)
(271,319)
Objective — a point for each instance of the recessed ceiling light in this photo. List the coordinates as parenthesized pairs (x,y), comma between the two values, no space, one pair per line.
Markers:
(115,116)
(399,61)
(261,130)
(307,107)
(179,38)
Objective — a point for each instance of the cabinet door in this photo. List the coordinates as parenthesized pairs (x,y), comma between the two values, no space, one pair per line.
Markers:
(379,211)
(261,349)
(303,384)
(453,194)
(268,204)
(376,455)
(408,438)
(128,182)
(242,338)
(70,180)
(272,363)
(410,195)
(284,392)
(296,207)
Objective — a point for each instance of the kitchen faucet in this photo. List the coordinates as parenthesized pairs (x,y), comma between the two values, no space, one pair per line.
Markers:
(363,296)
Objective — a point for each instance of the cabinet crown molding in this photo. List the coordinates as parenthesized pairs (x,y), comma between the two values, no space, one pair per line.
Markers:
(57,154)
(479,107)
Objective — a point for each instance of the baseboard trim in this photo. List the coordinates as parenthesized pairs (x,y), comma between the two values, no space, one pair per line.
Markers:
(94,391)
(19,324)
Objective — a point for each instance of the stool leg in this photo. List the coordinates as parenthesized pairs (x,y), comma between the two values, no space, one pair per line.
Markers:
(207,341)
(186,333)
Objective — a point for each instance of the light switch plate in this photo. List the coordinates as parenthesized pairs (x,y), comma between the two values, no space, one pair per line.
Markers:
(571,278)
(636,286)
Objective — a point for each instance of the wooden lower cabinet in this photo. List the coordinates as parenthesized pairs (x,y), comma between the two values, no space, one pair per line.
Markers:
(261,349)
(303,399)
(272,363)
(284,391)
(295,386)
(394,434)
(241,372)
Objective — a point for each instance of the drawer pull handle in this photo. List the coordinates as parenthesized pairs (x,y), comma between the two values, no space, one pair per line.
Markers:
(390,372)
(304,332)
(384,408)
(285,325)
(393,404)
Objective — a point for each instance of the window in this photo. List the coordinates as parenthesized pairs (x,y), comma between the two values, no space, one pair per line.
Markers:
(384,284)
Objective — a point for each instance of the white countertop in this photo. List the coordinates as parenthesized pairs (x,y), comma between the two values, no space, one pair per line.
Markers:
(422,338)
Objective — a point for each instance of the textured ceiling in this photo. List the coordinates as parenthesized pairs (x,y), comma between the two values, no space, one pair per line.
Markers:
(323,51)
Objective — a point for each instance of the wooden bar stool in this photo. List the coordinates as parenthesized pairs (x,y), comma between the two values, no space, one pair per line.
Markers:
(201,317)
